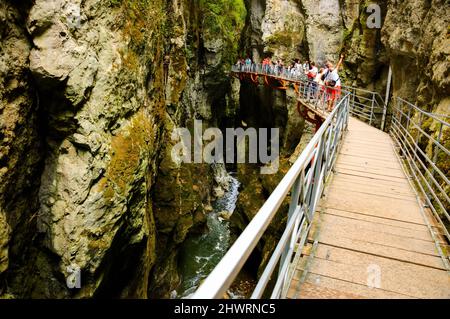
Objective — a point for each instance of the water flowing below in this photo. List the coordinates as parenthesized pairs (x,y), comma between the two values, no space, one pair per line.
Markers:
(201,253)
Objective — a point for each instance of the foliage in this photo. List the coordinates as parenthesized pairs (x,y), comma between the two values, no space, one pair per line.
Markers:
(224,19)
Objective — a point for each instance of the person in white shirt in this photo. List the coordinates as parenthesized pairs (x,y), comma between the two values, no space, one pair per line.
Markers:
(311,73)
(320,83)
(333,83)
(305,66)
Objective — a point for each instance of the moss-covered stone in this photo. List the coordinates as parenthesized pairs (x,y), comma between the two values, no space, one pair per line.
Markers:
(128,149)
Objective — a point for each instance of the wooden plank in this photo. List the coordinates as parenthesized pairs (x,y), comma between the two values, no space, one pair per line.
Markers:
(387,265)
(367,158)
(357,191)
(371,189)
(358,151)
(400,280)
(403,188)
(367,138)
(374,205)
(358,233)
(357,289)
(310,291)
(383,146)
(364,162)
(364,168)
(387,251)
(370,216)
(374,176)
(377,220)
(363,226)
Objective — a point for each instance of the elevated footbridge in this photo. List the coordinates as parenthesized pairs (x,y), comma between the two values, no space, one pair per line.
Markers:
(368,214)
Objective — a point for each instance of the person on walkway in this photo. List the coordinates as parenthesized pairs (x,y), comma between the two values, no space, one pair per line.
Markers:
(265,65)
(242,64)
(298,68)
(320,84)
(239,64)
(248,64)
(311,74)
(279,67)
(333,83)
(305,66)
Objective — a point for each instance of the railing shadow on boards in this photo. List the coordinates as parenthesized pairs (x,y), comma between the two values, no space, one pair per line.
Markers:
(425,155)
(365,105)
(305,183)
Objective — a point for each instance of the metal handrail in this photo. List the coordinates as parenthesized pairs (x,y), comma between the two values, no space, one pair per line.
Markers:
(305,181)
(372,103)
(425,171)
(306,178)
(279,72)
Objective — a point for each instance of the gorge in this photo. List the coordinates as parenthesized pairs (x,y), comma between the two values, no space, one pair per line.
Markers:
(91,91)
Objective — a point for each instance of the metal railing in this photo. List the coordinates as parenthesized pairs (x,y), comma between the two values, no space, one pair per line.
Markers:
(426,158)
(317,96)
(425,154)
(366,105)
(289,74)
(304,182)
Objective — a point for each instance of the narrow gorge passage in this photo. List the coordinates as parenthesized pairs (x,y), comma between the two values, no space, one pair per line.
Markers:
(92,204)
(201,253)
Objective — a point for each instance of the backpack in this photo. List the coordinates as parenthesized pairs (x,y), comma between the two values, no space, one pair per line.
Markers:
(331,83)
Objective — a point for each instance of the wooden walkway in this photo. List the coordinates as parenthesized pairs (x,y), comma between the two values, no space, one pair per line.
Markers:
(370,238)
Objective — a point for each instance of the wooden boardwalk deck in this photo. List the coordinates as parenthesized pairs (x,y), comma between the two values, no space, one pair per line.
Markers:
(370,238)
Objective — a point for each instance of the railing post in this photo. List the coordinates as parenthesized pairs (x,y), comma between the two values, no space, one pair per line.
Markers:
(316,178)
(295,195)
(347,110)
(386,100)
(371,108)
(353,97)
(435,156)
(408,119)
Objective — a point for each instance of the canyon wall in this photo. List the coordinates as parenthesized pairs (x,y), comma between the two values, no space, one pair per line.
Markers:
(90,93)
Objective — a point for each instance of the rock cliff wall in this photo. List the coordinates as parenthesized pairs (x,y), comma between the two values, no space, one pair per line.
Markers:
(90,92)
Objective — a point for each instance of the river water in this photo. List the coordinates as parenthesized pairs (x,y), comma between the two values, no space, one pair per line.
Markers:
(201,253)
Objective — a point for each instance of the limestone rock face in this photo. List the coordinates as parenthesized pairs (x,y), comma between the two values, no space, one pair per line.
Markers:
(366,63)
(102,134)
(20,153)
(416,36)
(324,28)
(283,29)
(252,35)
(79,192)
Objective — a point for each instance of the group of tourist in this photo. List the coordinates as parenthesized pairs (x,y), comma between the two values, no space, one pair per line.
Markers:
(322,83)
